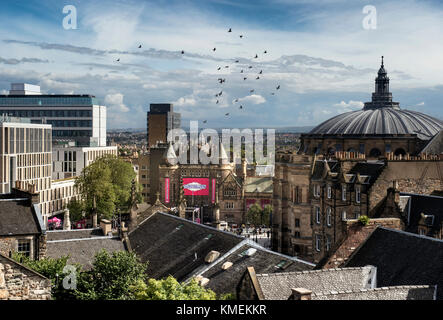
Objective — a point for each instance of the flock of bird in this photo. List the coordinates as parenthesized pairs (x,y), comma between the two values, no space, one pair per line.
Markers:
(223,80)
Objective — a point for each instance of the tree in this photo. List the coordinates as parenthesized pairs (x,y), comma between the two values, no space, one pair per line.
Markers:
(266,215)
(170,289)
(254,214)
(76,209)
(108,180)
(112,277)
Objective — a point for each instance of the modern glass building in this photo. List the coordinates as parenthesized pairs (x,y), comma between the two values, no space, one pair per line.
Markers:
(74,118)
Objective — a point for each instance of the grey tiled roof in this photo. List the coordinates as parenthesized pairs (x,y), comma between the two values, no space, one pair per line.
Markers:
(82,251)
(17,217)
(383,293)
(263,261)
(278,286)
(402,258)
(73,234)
(381,121)
(175,246)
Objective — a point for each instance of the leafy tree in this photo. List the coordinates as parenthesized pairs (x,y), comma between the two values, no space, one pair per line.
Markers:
(170,289)
(76,209)
(112,277)
(254,214)
(266,215)
(108,180)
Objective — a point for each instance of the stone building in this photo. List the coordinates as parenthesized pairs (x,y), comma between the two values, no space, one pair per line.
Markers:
(380,127)
(18,282)
(321,185)
(22,228)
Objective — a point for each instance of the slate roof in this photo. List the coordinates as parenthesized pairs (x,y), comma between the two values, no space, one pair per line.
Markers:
(319,168)
(369,168)
(402,258)
(259,184)
(82,250)
(169,243)
(430,206)
(383,293)
(435,145)
(263,260)
(73,234)
(18,217)
(278,286)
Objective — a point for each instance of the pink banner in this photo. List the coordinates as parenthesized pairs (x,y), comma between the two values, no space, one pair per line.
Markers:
(166,190)
(213,190)
(196,186)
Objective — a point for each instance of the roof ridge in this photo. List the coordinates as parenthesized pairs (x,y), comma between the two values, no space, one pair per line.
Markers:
(312,271)
(410,234)
(385,288)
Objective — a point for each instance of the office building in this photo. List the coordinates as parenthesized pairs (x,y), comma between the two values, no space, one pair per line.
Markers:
(161,119)
(79,119)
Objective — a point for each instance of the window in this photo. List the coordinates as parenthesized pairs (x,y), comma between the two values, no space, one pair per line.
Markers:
(24,247)
(328,216)
(329,192)
(328,243)
(317,242)
(317,215)
(343,193)
(297,234)
(343,215)
(297,223)
(357,194)
(316,190)
(229,205)
(421,231)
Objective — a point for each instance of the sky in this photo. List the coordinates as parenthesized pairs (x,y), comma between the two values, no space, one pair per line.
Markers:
(319,52)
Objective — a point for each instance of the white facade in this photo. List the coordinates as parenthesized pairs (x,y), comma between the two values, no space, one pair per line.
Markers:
(69,161)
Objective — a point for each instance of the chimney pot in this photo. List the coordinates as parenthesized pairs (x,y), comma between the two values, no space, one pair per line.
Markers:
(301,294)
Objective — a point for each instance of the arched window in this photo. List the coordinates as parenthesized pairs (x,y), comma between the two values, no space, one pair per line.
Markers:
(375,153)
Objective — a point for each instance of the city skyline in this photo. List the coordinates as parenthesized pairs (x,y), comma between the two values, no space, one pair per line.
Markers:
(326,69)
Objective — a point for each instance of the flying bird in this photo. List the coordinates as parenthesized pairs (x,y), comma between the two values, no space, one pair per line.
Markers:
(251,91)
(250,67)
(220,93)
(241,107)
(118,59)
(183,52)
(230,30)
(272,93)
(265,51)
(226,66)
(278,87)
(261,72)
(256,56)
(241,71)
(257,78)
(241,36)
(216,102)
(245,78)
(236,100)
(227,114)
(214,49)
(139,46)
(204,121)
(236,61)
(218,68)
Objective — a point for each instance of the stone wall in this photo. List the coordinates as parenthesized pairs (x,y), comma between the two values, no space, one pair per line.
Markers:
(355,235)
(20,283)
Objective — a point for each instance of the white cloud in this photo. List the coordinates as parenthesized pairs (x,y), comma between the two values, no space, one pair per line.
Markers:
(115,102)
(350,105)
(253,98)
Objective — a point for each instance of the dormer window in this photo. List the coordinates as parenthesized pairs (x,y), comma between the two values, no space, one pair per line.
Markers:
(357,194)
(316,190)
(343,192)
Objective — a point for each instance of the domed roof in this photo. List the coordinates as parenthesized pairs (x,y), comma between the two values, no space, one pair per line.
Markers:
(381,121)
(381,116)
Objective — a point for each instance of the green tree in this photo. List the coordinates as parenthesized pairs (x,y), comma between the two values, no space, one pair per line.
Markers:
(76,209)
(254,214)
(112,277)
(170,289)
(266,215)
(108,180)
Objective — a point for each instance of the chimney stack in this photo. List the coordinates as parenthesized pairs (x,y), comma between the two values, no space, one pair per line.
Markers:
(300,294)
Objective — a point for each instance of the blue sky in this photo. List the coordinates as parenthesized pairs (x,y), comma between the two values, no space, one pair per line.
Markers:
(318,52)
